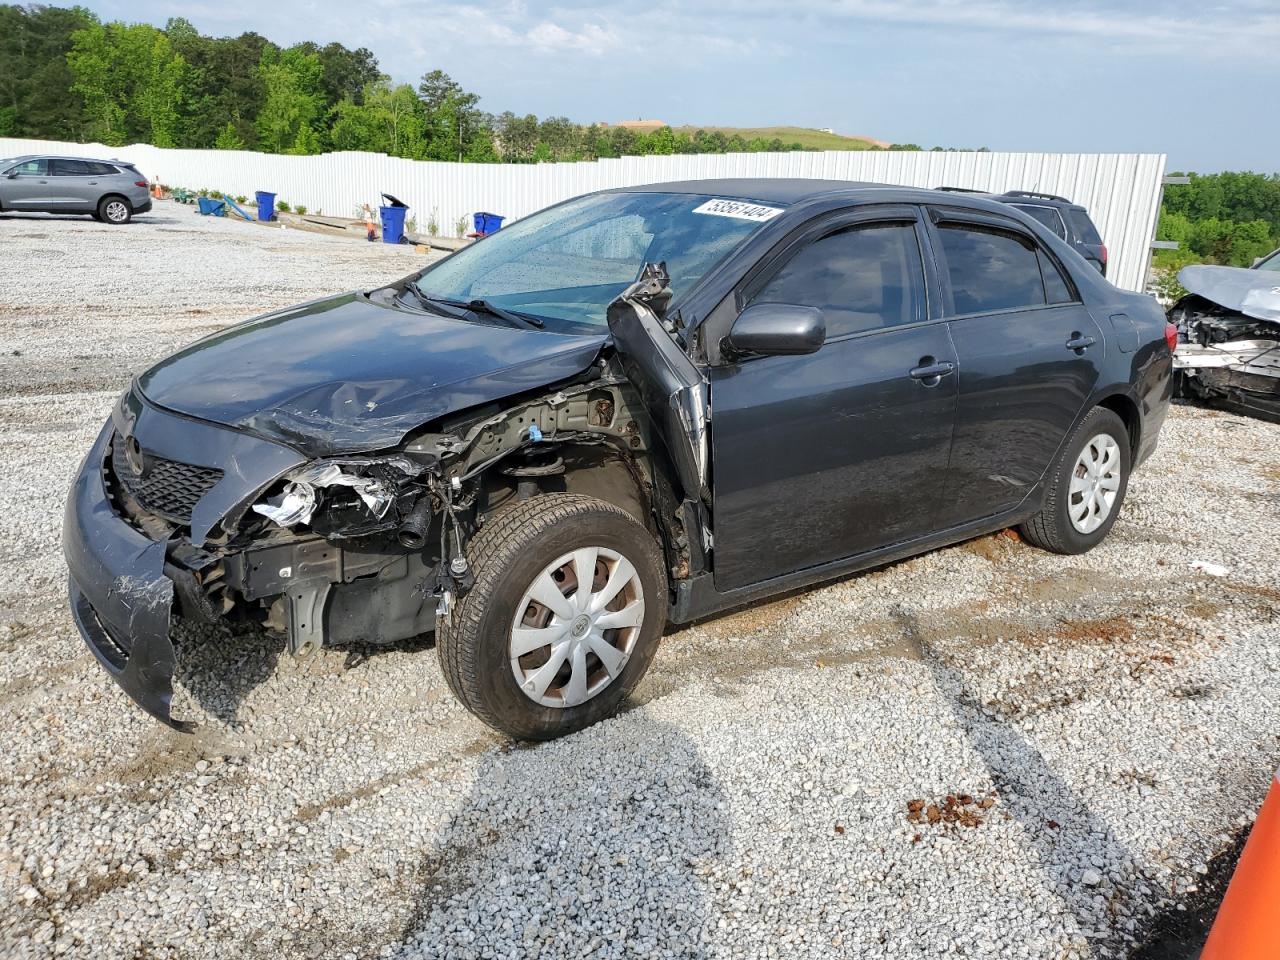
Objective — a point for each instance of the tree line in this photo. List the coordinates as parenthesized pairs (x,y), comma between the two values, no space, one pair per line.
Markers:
(66,75)
(1225,218)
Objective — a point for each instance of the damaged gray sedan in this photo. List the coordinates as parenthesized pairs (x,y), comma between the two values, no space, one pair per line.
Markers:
(1229,333)
(636,407)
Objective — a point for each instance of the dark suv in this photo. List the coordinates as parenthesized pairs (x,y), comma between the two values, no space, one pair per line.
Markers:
(1068,221)
(639,406)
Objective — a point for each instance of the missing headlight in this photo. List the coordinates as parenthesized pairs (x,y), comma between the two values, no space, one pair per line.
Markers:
(298,502)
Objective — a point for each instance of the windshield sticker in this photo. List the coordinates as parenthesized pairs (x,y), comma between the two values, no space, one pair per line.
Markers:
(738,209)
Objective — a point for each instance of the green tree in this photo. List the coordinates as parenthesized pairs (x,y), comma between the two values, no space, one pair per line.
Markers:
(293,102)
(131,81)
(35,80)
(229,138)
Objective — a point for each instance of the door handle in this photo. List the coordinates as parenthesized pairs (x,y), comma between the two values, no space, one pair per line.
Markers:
(1079,342)
(931,371)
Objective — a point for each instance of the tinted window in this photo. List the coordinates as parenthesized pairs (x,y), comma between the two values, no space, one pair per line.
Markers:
(100,169)
(990,269)
(1056,288)
(1084,226)
(70,168)
(862,278)
(1271,263)
(1046,215)
(32,168)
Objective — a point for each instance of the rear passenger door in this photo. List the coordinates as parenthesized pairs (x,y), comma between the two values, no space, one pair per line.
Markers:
(75,184)
(1027,350)
(836,453)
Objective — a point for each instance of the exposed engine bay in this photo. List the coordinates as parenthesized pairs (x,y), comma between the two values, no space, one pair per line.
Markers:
(1229,338)
(372,548)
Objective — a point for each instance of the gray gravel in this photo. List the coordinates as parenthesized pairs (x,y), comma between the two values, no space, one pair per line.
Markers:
(1105,724)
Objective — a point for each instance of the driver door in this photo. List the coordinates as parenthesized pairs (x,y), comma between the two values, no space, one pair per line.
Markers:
(29,189)
(836,453)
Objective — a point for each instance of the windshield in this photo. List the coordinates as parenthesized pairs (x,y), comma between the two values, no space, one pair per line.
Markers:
(1272,263)
(570,262)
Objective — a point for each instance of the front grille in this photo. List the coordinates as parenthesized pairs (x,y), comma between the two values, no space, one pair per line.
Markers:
(166,488)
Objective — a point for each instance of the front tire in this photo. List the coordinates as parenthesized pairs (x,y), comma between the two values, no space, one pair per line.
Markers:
(530,650)
(1086,488)
(114,210)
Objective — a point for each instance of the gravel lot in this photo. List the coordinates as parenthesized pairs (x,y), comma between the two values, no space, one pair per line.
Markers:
(1105,724)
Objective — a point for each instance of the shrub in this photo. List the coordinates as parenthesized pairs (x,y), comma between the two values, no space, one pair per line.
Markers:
(433,224)
(460,227)
(300,209)
(241,198)
(282,206)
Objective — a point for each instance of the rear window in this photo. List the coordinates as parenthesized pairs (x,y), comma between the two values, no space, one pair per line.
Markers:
(991,269)
(1046,215)
(1084,226)
(71,168)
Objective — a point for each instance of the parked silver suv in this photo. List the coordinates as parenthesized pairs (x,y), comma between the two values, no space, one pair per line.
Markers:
(111,190)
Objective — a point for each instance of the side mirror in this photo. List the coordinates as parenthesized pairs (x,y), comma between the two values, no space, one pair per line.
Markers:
(777,329)
(12,174)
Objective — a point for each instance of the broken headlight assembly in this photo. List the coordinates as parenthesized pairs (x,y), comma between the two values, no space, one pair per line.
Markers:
(348,497)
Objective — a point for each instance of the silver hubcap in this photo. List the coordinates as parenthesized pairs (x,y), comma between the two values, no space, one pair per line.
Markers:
(576,626)
(116,211)
(1095,481)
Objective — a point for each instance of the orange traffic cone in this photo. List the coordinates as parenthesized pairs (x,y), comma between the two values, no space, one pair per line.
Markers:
(1248,923)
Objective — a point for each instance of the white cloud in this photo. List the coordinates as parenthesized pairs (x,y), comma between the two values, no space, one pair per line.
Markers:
(1225,25)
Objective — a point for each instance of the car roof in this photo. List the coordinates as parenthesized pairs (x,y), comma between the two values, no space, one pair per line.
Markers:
(761,189)
(58,156)
(795,190)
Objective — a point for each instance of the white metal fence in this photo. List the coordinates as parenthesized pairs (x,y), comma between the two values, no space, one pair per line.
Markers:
(1120,190)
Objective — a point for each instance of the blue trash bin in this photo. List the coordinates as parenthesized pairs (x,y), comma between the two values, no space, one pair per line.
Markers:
(392,223)
(266,205)
(487,223)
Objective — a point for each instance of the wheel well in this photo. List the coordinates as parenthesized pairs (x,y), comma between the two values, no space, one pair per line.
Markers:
(1126,410)
(107,196)
(595,470)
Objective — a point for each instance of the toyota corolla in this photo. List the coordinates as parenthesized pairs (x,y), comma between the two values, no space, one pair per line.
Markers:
(636,407)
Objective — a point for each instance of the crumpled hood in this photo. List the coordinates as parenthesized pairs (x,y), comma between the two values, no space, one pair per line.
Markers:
(1255,293)
(350,374)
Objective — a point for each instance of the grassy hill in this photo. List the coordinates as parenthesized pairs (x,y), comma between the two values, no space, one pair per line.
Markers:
(815,139)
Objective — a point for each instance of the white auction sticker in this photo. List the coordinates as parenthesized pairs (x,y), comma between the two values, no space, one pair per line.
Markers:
(738,209)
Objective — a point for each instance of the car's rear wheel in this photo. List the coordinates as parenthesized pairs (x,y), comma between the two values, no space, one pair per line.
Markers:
(563,620)
(1086,487)
(114,210)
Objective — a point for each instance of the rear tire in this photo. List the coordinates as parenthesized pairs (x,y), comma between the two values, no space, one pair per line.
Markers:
(1087,486)
(524,551)
(114,210)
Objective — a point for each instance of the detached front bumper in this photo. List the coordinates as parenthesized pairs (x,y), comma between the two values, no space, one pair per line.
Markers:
(121,599)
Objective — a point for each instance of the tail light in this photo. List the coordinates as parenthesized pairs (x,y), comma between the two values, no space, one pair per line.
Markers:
(1171,336)
(139,183)
(1104,254)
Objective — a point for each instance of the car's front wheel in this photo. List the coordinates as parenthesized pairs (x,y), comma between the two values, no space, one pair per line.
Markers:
(563,620)
(1086,487)
(114,210)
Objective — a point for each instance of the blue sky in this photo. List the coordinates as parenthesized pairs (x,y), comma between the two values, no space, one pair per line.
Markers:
(1195,80)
